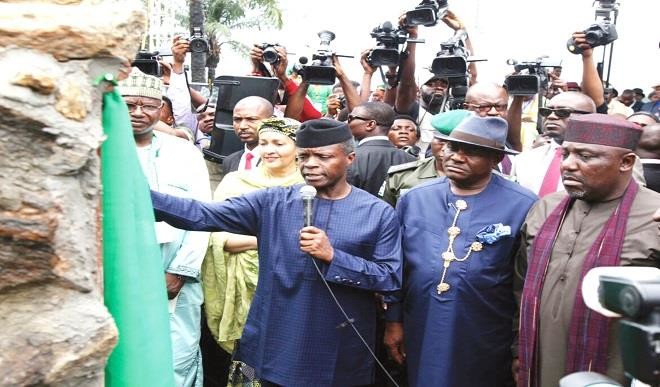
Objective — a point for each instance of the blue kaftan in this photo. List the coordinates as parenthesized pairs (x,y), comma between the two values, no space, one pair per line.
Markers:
(292,335)
(463,336)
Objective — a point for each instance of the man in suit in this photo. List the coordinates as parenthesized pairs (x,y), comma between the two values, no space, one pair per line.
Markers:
(374,154)
(248,114)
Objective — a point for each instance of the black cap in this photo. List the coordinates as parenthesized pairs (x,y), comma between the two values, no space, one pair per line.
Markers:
(322,132)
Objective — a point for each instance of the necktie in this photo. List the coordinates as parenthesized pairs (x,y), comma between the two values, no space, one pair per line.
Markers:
(248,161)
(551,179)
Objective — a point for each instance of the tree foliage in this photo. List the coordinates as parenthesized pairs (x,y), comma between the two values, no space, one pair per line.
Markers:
(224,16)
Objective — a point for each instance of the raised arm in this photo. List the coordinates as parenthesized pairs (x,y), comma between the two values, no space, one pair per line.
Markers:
(591,82)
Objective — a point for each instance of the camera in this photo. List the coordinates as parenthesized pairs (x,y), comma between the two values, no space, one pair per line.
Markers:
(533,77)
(197,41)
(633,294)
(598,34)
(320,71)
(270,54)
(342,102)
(386,52)
(148,63)
(451,61)
(427,13)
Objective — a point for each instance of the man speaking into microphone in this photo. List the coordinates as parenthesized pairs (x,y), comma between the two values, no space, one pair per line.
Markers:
(295,334)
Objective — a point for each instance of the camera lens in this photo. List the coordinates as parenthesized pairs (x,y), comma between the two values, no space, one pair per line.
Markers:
(630,301)
(270,55)
(593,37)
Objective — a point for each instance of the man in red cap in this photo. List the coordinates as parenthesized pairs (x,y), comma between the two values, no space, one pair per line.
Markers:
(602,219)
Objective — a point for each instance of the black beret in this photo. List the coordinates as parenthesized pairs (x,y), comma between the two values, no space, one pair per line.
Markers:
(322,132)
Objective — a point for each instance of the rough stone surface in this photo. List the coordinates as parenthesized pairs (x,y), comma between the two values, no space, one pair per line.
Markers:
(55,329)
(70,32)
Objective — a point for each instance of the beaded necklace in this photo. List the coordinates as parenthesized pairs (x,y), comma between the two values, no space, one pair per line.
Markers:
(449,256)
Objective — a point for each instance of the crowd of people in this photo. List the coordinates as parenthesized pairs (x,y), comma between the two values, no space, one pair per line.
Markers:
(447,247)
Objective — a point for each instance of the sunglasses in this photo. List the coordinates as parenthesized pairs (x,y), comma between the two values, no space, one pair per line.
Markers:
(559,112)
(352,117)
(486,108)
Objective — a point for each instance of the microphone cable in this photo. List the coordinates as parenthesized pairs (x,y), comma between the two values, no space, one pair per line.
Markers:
(350,321)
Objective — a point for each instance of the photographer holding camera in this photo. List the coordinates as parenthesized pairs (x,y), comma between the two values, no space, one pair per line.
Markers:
(298,106)
(432,92)
(184,99)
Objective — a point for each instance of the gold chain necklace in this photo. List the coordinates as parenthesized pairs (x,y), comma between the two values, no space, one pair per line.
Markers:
(448,256)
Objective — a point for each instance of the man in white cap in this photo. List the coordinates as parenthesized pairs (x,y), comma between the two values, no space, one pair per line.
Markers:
(172,165)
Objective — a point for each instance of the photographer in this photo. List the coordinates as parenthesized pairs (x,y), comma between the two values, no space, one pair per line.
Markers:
(432,92)
(388,93)
(184,99)
(348,88)
(302,109)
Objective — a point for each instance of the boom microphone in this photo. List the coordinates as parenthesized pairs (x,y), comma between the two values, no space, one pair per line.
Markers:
(307,193)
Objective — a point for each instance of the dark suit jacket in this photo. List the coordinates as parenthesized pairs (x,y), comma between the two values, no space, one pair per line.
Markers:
(230,162)
(372,160)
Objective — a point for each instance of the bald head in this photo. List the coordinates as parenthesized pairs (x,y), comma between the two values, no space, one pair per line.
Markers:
(487,99)
(574,100)
(247,116)
(554,126)
(649,144)
(259,105)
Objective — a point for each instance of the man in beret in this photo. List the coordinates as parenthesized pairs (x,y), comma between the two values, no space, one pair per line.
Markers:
(295,335)
(401,178)
(173,166)
(602,219)
(452,320)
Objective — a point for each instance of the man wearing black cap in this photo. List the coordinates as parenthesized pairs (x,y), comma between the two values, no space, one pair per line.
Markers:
(603,219)
(295,334)
(455,312)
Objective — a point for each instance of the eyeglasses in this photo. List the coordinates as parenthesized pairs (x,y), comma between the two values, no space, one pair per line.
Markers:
(149,109)
(559,112)
(352,117)
(486,108)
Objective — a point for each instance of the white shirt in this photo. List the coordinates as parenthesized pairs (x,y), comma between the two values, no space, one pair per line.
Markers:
(372,138)
(255,159)
(530,166)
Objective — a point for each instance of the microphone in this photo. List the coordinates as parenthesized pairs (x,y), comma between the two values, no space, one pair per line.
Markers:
(307,193)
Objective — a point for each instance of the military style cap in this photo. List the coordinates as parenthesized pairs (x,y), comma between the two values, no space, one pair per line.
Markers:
(445,122)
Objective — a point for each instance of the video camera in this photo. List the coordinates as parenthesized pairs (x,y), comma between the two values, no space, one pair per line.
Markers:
(197,41)
(451,61)
(148,63)
(533,77)
(632,294)
(386,52)
(320,71)
(638,300)
(427,13)
(598,34)
(270,54)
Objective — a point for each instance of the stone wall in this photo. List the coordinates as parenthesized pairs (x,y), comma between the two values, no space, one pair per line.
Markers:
(54,328)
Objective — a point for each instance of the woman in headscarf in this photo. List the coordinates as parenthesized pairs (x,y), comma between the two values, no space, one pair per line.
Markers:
(230,268)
